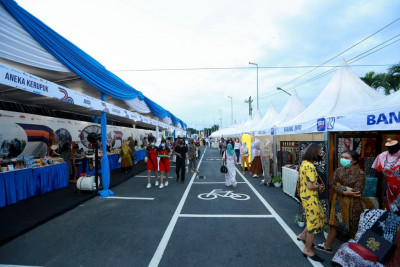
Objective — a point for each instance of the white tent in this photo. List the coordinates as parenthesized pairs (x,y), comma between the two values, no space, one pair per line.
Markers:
(269,118)
(346,93)
(254,122)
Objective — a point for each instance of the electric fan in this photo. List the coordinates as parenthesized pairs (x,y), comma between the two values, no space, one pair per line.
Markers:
(91,138)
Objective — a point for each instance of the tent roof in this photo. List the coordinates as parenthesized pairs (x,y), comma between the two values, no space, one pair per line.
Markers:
(293,108)
(37,49)
(268,119)
(345,93)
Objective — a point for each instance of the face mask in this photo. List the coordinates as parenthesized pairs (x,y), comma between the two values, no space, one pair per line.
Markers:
(153,143)
(394,149)
(163,145)
(345,162)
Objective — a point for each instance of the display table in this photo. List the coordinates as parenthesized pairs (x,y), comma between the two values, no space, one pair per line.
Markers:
(21,184)
(140,154)
(289,181)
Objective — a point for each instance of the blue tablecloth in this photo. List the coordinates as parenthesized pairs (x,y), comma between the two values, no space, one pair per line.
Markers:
(140,154)
(21,184)
(83,164)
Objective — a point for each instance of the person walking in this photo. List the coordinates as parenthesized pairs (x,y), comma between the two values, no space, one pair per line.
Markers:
(348,183)
(237,151)
(244,154)
(309,188)
(192,151)
(164,153)
(126,160)
(132,145)
(181,152)
(228,158)
(152,166)
(256,164)
(222,146)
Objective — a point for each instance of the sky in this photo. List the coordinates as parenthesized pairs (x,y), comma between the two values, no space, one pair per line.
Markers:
(189,56)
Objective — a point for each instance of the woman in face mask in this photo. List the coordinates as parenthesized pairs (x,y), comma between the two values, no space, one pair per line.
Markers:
(348,183)
(164,153)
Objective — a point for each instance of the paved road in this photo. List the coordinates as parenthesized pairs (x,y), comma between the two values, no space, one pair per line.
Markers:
(179,225)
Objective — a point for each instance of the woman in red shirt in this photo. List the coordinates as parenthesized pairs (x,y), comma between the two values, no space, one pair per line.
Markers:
(151,153)
(164,153)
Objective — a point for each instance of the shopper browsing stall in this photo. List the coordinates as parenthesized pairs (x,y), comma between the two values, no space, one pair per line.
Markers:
(309,188)
(348,183)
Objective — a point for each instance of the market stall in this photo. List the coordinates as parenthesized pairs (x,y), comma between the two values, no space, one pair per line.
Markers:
(20,184)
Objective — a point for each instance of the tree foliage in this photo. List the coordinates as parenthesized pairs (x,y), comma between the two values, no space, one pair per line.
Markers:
(389,81)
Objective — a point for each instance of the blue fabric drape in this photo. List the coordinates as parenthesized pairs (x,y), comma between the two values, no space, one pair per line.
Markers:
(78,61)
(105,168)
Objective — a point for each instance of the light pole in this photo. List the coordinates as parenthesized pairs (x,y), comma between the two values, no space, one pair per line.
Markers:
(250,63)
(278,88)
(231,108)
(220,117)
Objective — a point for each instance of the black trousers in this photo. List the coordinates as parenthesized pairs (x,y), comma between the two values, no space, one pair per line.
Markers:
(180,167)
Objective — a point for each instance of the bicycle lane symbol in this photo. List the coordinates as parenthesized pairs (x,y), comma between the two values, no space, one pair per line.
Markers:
(220,193)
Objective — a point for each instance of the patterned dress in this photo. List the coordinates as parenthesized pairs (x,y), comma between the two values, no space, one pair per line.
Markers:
(346,211)
(309,198)
(389,165)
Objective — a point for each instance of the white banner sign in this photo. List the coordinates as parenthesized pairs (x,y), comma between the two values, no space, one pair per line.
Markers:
(33,84)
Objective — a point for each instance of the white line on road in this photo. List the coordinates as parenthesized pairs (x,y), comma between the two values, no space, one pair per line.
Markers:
(285,227)
(215,182)
(167,234)
(135,198)
(225,216)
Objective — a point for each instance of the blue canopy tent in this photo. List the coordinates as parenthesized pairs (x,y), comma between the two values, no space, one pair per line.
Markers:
(89,70)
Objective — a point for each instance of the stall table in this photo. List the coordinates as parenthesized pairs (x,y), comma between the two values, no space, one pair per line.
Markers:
(289,181)
(21,184)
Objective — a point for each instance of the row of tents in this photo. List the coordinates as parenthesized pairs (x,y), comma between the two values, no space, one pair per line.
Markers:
(345,104)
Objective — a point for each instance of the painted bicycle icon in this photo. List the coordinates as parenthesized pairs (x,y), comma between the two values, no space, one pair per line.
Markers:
(220,193)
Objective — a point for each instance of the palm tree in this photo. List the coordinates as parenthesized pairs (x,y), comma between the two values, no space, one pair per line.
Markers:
(393,77)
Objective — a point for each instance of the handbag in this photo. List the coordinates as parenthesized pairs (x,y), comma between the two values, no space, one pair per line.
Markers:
(223,168)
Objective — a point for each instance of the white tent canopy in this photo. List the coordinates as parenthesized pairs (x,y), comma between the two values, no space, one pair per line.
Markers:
(346,93)
(19,50)
(254,122)
(269,118)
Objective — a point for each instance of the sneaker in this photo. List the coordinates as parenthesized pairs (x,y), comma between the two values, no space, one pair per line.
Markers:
(161,186)
(196,171)
(148,185)
(166,183)
(191,171)
(322,247)
(156,184)
(255,176)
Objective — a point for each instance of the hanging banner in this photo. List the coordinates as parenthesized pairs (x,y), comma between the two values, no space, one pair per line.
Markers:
(33,84)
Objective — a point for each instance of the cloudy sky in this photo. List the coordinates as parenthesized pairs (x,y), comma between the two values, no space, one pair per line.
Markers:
(188,56)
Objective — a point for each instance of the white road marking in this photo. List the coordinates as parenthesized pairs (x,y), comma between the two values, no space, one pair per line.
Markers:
(225,216)
(135,198)
(167,234)
(285,227)
(215,182)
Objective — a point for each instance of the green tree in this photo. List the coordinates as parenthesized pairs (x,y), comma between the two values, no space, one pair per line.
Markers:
(388,81)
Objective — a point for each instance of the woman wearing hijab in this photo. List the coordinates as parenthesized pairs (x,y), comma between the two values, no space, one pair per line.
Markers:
(229,158)
(256,165)
(126,160)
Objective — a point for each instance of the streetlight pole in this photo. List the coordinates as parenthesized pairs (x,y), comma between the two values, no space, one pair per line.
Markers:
(250,63)
(220,117)
(231,108)
(278,88)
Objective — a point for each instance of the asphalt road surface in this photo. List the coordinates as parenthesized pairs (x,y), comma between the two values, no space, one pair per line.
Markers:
(199,223)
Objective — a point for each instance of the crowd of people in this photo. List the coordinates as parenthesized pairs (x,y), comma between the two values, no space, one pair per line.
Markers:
(347,185)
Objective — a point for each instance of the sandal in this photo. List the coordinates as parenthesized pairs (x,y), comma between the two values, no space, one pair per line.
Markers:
(304,241)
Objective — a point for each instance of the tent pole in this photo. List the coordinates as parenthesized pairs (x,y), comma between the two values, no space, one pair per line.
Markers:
(275,158)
